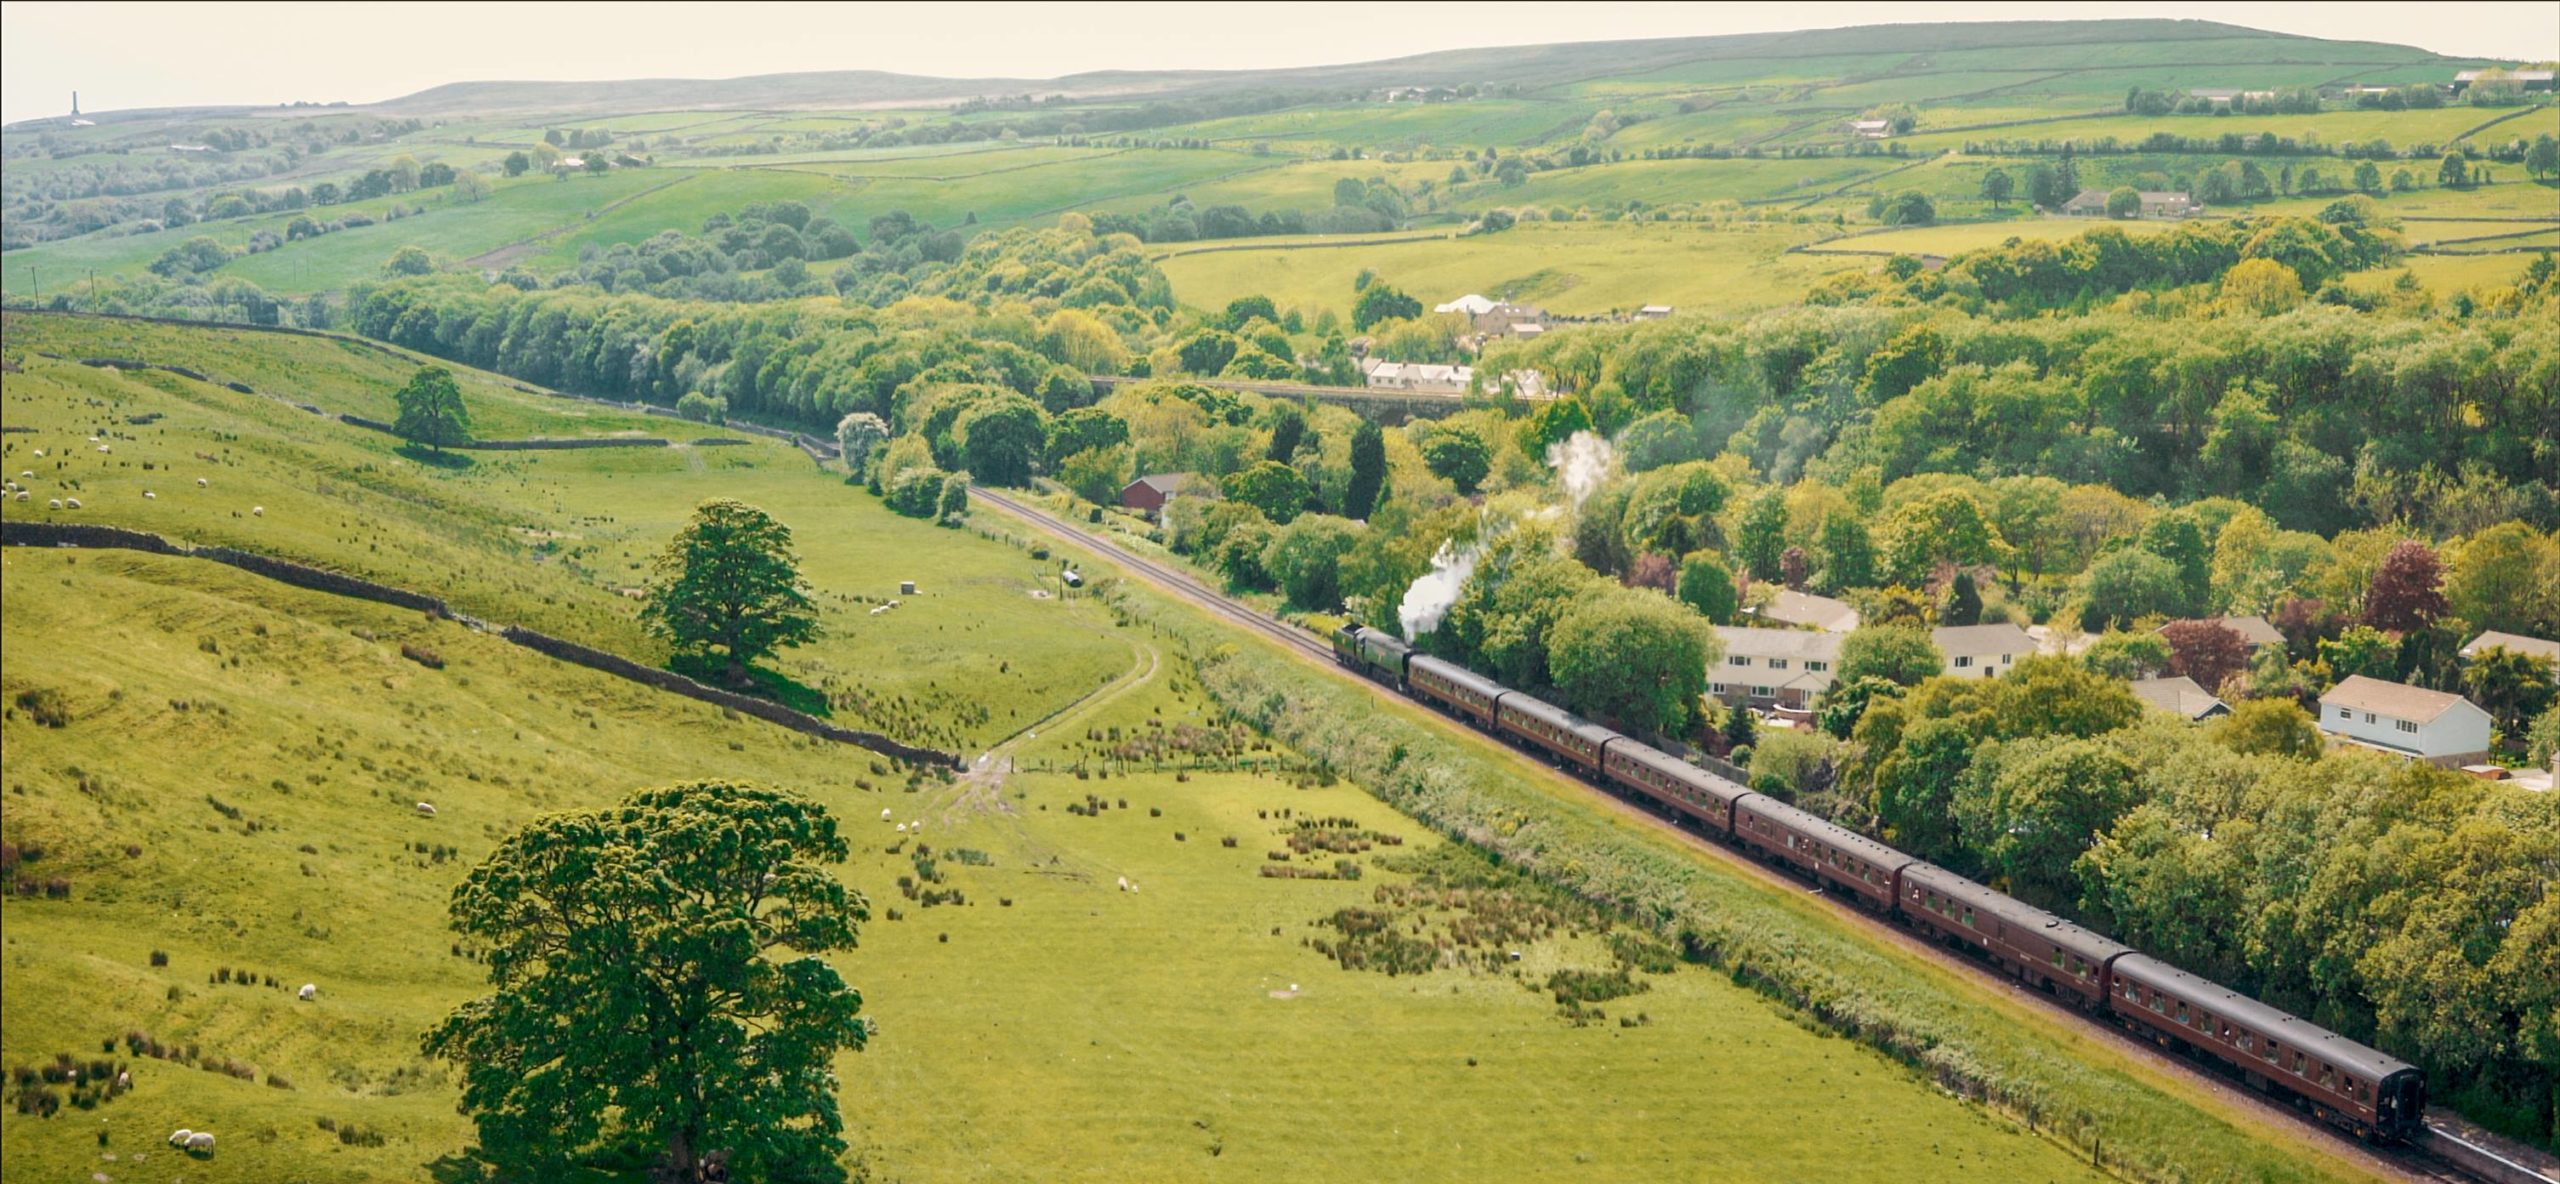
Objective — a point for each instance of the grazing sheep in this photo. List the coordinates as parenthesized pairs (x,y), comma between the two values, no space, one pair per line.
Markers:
(309,992)
(200,1141)
(257,511)
(902,828)
(884,816)
(180,1136)
(147,496)
(21,495)
(39,454)
(426,810)
(124,1081)
(201,482)
(71,503)
(106,448)
(1124,883)
(53,503)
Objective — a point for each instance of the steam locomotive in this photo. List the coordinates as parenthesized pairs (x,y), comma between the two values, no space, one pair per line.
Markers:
(2343,1082)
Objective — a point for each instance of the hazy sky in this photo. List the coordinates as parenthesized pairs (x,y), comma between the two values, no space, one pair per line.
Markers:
(157,55)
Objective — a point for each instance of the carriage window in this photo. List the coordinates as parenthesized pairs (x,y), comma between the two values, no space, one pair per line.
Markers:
(2182,1013)
(2273,1051)
(2328,1077)
(2297,1061)
(2247,1042)
(2158,1002)
(1968,916)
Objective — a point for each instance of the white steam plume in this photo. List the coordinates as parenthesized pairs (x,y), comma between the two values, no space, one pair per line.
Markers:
(1428,600)
(1581,464)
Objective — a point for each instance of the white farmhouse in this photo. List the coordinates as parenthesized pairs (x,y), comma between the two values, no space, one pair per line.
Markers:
(1982,651)
(2402,720)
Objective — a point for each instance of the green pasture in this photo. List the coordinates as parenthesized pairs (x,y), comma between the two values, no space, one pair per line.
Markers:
(2403,129)
(1573,269)
(545,539)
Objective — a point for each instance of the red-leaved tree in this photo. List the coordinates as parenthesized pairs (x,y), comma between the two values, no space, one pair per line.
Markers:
(2408,589)
(2206,651)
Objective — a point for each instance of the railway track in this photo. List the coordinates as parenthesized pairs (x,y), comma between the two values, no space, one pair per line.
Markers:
(2450,1152)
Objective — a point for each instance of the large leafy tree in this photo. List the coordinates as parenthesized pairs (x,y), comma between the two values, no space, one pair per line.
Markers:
(1001,438)
(1894,653)
(1368,471)
(730,582)
(2206,651)
(660,987)
(1460,456)
(2408,589)
(431,410)
(2030,807)
(1277,490)
(2512,687)
(1762,537)
(1635,657)
(856,435)
(1706,585)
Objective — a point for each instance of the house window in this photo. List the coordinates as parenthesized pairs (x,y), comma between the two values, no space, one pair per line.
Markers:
(2368,717)
(2343,713)
(1817,667)
(2004,659)
(1963,661)
(1777,663)
(1721,688)
(2405,726)
(1737,660)
(1764,692)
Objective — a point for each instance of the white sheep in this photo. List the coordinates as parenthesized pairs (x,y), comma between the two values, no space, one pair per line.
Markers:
(257,511)
(200,1141)
(179,1137)
(21,495)
(53,503)
(106,448)
(426,810)
(1124,883)
(39,454)
(902,828)
(201,482)
(148,496)
(124,1080)
(309,992)
(71,503)
(884,816)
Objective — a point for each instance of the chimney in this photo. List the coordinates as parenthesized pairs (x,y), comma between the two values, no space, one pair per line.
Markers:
(75,102)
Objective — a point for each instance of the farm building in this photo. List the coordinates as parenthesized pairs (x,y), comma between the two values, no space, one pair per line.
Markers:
(1653,312)
(1149,494)
(1470,305)
(1428,377)
(1870,129)
(2530,80)
(1785,669)
(2180,697)
(1981,651)
(2441,729)
(2092,203)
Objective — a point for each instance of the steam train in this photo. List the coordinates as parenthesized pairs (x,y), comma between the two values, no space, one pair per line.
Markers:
(2343,1082)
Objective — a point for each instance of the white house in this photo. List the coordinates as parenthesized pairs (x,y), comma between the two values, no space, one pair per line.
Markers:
(1807,611)
(1427,377)
(1653,312)
(2402,720)
(1775,668)
(1982,651)
(1472,304)
(2181,697)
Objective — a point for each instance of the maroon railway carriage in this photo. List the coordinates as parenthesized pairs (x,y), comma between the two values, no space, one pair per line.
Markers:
(1832,854)
(1564,735)
(1686,788)
(1455,687)
(2344,1081)
(2028,942)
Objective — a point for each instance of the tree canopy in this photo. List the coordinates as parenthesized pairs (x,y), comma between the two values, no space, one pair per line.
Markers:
(659,985)
(431,410)
(729,582)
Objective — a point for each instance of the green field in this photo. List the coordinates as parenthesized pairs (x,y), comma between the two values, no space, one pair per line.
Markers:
(232,786)
(1572,269)
(2402,128)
